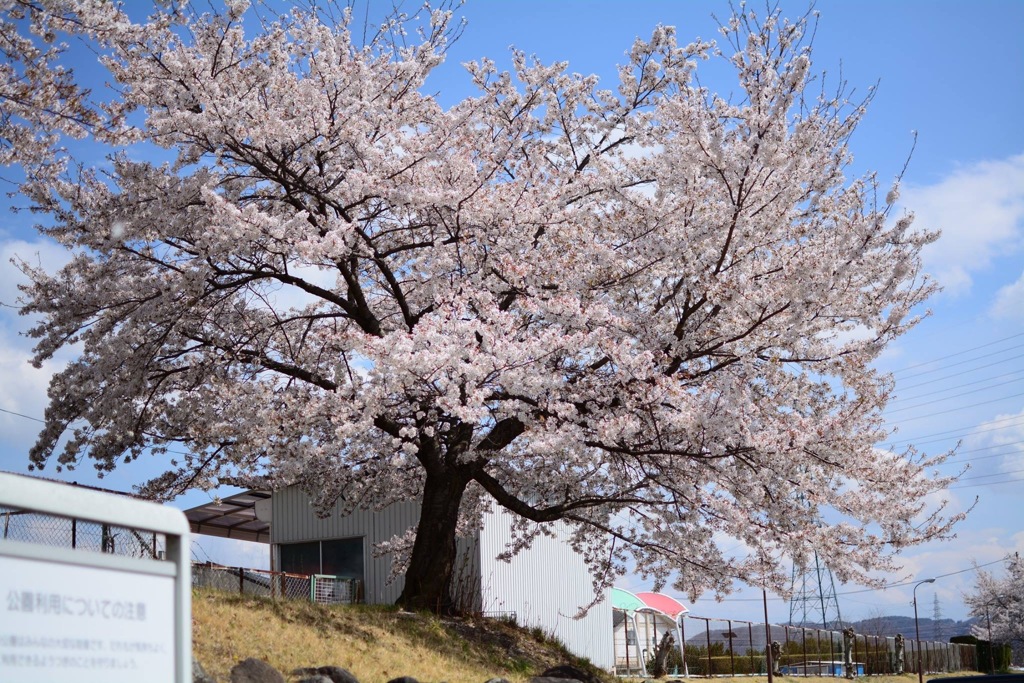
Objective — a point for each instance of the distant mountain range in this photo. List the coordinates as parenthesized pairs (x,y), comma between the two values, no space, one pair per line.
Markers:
(941,630)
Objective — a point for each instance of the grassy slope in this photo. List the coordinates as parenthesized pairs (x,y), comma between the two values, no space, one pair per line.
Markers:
(380,643)
(374,643)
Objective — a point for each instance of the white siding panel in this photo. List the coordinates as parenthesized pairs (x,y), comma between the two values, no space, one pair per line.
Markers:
(545,586)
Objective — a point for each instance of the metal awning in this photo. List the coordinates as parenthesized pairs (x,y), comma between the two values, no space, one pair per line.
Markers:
(663,603)
(233,517)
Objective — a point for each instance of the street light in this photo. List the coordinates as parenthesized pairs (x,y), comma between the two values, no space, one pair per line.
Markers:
(917,629)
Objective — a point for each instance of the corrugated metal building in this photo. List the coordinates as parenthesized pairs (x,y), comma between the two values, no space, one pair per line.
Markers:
(545,586)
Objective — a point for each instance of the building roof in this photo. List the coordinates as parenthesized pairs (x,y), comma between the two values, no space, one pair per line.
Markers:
(231,517)
(658,603)
(663,603)
(625,601)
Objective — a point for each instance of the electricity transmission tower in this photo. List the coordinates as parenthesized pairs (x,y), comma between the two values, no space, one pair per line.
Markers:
(938,632)
(814,598)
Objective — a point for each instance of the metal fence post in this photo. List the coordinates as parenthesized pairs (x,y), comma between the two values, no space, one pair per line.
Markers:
(707,631)
(817,647)
(854,657)
(785,651)
(732,657)
(831,654)
(750,649)
(682,644)
(803,642)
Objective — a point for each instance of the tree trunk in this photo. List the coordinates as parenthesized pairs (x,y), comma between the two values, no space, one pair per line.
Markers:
(429,577)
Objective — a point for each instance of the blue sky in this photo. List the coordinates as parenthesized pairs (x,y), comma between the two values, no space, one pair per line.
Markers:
(950,71)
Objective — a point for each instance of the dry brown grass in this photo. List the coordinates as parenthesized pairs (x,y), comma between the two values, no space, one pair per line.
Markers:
(374,643)
(380,643)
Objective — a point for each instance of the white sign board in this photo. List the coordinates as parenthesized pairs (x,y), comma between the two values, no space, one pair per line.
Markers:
(58,619)
(91,617)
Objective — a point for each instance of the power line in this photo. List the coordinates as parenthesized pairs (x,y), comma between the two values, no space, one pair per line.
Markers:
(988,448)
(969,430)
(971,360)
(883,587)
(952,398)
(954,410)
(960,353)
(957,374)
(954,461)
(990,483)
(913,581)
(986,476)
(916,442)
(27,417)
(953,387)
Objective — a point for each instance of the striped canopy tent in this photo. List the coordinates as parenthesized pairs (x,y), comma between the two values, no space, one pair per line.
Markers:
(663,603)
(655,609)
(624,601)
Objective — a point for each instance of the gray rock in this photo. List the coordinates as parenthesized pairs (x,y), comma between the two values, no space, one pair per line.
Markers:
(403,679)
(199,674)
(496,680)
(570,672)
(334,674)
(255,671)
(316,679)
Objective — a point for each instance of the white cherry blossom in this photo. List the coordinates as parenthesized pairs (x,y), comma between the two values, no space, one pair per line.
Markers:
(620,307)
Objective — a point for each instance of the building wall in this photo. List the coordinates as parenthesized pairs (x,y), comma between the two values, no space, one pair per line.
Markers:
(545,586)
(293,521)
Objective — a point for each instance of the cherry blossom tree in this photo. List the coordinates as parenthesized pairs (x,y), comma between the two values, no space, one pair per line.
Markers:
(645,311)
(998,604)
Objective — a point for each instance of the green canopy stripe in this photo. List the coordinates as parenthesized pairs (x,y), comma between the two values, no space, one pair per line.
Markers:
(626,601)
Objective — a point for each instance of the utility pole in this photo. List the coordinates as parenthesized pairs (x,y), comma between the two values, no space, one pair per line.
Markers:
(767,638)
(991,662)
(917,629)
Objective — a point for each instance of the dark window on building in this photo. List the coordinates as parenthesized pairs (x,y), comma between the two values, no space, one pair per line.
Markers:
(301,558)
(341,557)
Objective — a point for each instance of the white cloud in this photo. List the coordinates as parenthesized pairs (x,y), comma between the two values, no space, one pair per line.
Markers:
(1009,301)
(284,297)
(46,253)
(22,398)
(980,210)
(1002,439)
(23,387)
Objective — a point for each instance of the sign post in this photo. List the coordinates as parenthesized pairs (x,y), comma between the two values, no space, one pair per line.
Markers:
(97,616)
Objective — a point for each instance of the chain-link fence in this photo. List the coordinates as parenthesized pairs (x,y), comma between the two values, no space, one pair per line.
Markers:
(49,530)
(722,647)
(316,587)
